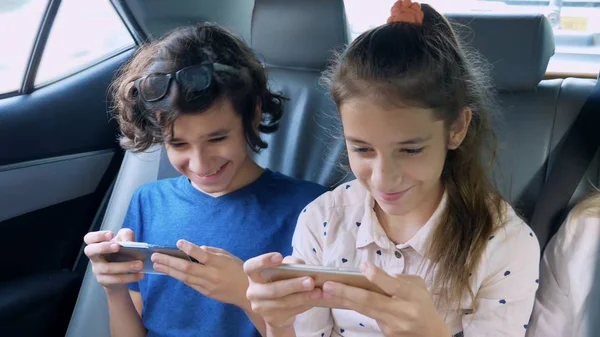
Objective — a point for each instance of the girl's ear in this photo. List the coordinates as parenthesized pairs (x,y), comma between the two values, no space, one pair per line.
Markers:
(458,130)
(257,113)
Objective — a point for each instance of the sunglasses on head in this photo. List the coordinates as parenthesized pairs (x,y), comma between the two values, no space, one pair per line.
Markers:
(155,86)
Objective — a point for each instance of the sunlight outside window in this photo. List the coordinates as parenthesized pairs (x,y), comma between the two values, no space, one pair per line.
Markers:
(84,33)
(576,24)
(19,24)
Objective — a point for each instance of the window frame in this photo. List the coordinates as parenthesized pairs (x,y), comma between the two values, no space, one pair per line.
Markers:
(27,85)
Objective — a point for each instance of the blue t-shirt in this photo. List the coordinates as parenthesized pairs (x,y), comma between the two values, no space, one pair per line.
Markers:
(256,219)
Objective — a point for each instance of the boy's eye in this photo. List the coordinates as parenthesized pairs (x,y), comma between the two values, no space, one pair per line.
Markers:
(218,139)
(176,145)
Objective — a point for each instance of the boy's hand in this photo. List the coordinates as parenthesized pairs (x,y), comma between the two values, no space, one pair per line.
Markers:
(111,275)
(220,276)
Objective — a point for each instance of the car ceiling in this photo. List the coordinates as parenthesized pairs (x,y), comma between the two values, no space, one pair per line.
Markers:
(153,18)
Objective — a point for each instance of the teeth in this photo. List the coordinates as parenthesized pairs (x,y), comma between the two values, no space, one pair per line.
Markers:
(215,171)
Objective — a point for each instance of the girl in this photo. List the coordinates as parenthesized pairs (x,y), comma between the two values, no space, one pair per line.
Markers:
(422,220)
(563,300)
(202,93)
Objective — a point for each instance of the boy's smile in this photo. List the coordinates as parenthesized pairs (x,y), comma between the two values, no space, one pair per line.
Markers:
(210,149)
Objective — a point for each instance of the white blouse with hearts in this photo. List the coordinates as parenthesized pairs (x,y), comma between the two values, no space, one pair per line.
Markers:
(340,229)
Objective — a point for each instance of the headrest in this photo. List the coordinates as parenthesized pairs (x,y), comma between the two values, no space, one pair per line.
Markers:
(518,46)
(298,33)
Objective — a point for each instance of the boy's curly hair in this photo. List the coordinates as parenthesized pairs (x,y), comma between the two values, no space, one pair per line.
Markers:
(144,124)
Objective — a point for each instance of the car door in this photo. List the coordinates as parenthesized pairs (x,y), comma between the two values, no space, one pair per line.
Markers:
(58,151)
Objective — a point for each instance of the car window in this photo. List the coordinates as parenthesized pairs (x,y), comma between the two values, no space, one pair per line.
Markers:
(19,24)
(84,33)
(576,24)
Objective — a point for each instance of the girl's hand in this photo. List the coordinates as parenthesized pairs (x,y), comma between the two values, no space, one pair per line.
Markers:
(220,276)
(111,275)
(407,311)
(278,302)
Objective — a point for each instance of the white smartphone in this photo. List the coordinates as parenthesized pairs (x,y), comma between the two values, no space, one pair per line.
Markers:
(321,274)
(141,251)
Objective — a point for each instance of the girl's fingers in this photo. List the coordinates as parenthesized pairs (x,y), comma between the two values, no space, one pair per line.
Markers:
(279,289)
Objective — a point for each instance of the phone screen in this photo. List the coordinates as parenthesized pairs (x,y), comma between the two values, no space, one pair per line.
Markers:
(321,274)
(141,251)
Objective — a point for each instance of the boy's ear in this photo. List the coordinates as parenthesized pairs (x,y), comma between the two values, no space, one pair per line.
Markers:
(258,113)
(458,130)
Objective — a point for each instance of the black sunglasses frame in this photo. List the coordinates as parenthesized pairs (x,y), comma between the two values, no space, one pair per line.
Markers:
(176,75)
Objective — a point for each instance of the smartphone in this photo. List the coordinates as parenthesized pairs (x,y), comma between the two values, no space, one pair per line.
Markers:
(321,274)
(141,251)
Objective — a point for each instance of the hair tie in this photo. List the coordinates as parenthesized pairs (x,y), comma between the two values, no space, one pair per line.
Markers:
(406,11)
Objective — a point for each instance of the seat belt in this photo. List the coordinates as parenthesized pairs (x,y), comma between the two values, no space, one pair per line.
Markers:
(572,161)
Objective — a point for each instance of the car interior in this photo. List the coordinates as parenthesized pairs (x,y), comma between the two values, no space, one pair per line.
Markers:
(63,174)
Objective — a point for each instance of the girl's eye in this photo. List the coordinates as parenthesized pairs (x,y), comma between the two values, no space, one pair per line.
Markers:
(413,151)
(361,149)
(218,140)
